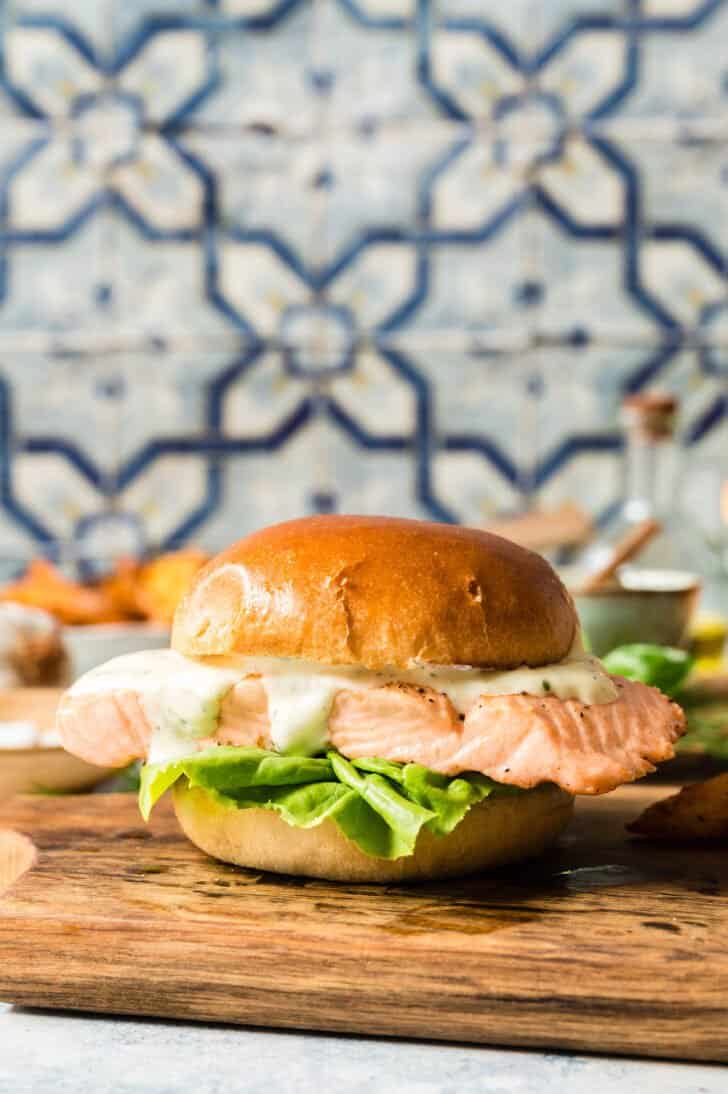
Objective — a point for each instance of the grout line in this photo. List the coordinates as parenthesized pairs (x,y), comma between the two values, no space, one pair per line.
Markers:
(466,341)
(650,129)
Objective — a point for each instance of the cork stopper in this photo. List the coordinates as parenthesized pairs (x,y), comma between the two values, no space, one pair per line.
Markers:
(650,414)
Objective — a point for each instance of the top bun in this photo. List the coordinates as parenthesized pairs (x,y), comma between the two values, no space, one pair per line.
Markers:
(377,592)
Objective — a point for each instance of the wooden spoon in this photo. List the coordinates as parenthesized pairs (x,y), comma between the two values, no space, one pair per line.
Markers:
(628,547)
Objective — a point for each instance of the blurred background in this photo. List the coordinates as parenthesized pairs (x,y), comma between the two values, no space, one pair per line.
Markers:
(269,257)
(450,259)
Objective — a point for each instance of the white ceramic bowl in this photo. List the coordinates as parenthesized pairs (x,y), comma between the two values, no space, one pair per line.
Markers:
(92,645)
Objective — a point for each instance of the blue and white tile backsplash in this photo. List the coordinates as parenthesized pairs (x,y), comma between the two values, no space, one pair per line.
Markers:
(265,257)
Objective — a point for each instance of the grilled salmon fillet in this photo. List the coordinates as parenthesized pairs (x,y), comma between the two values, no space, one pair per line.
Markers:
(521,740)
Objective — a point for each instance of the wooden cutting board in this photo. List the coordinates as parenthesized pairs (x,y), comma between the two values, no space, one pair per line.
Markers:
(606,944)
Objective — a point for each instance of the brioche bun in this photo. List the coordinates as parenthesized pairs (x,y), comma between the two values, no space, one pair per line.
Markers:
(377,592)
(499,830)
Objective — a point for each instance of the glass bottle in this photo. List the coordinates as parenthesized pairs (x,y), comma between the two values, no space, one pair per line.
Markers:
(704,503)
(650,491)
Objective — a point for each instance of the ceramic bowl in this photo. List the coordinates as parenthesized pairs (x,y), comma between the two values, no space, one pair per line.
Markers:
(31,759)
(92,645)
(619,615)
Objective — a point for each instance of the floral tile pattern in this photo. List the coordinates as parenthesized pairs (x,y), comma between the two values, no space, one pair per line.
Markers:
(266,257)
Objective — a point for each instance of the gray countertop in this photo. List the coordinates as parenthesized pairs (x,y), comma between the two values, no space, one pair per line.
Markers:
(43,1052)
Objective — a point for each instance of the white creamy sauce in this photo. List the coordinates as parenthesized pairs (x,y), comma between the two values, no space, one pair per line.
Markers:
(182,697)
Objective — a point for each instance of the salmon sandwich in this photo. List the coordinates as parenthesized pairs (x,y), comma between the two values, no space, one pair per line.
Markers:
(371,699)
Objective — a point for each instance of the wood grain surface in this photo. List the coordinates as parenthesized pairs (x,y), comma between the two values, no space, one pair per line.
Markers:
(606,944)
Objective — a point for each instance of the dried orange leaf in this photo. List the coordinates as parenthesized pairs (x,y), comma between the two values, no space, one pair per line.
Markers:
(698,811)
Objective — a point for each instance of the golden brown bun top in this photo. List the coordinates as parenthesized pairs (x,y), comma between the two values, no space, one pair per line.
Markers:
(378,592)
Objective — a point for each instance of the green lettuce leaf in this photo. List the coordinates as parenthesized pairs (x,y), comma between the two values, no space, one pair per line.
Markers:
(379,805)
(707,731)
(309,805)
(448,799)
(228,768)
(661,666)
(302,806)
(404,818)
(392,770)
(371,833)
(154,781)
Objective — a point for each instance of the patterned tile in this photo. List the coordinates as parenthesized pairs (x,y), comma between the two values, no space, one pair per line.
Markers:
(50,498)
(682,281)
(40,403)
(472,291)
(322,468)
(682,62)
(376,184)
(61,418)
(56,70)
(17,546)
(90,20)
(668,172)
(170,499)
(130,18)
(365,66)
(499,421)
(366,391)
(46,72)
(258,396)
(683,262)
(61,177)
(162,396)
(264,79)
(162,288)
(382,394)
(704,470)
(582,460)
(164,404)
(593,477)
(264,287)
(482,444)
(265,185)
(475,182)
(579,69)
(588,292)
(55,289)
(387,481)
(168,73)
(382,286)
(260,257)
(530,25)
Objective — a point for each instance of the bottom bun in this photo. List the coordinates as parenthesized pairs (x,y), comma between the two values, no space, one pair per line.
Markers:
(499,830)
